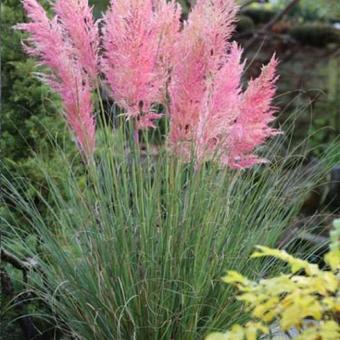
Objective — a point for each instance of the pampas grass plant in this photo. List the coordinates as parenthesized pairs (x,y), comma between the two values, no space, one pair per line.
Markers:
(135,247)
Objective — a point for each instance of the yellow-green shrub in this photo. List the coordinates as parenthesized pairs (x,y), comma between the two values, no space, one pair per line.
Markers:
(307,298)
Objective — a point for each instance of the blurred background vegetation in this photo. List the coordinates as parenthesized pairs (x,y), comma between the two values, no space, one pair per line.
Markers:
(305,34)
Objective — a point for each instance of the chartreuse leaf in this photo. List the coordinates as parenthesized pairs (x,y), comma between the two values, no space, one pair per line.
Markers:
(308,302)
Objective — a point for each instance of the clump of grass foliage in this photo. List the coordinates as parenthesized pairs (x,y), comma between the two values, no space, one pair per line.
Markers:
(133,246)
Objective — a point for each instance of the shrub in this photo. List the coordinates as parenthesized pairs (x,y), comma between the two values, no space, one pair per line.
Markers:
(311,10)
(259,15)
(245,24)
(306,299)
(317,35)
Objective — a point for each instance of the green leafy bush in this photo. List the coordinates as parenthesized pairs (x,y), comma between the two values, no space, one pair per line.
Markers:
(245,24)
(311,10)
(315,34)
(259,15)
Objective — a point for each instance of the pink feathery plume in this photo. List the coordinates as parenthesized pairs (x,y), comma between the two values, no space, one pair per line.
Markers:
(220,108)
(77,18)
(210,117)
(186,91)
(217,20)
(200,53)
(56,50)
(147,121)
(137,41)
(168,25)
(251,128)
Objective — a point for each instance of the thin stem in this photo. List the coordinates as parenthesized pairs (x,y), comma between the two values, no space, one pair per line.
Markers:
(101,105)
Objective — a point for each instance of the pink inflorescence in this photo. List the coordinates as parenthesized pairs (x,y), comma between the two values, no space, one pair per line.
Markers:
(149,58)
(67,44)
(210,116)
(137,40)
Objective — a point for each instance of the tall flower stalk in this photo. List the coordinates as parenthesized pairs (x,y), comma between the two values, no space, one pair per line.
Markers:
(67,44)
(210,115)
(138,38)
